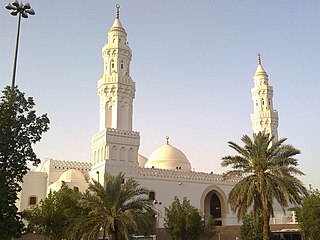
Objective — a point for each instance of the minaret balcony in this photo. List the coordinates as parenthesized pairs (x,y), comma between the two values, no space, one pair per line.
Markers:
(115,131)
(122,132)
(265,114)
(116,79)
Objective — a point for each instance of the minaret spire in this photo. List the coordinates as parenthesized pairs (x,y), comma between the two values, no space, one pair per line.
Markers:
(117,11)
(259,59)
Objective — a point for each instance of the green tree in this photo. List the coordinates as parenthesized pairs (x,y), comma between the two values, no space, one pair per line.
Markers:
(252,226)
(308,216)
(183,221)
(210,230)
(119,208)
(20,129)
(55,216)
(267,169)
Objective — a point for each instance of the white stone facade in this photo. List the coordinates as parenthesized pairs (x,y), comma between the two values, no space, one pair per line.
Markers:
(49,176)
(167,173)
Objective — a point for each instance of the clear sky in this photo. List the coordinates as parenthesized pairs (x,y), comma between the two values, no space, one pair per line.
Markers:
(193,64)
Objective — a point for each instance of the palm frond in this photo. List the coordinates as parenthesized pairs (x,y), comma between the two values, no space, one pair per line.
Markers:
(267,170)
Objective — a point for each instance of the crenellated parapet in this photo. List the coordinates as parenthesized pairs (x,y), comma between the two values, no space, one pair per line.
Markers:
(176,175)
(62,164)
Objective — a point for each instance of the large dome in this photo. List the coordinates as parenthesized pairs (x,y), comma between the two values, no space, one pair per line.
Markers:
(168,157)
(72,175)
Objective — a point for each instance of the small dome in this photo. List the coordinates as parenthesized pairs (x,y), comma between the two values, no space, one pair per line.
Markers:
(168,157)
(260,70)
(72,175)
(142,160)
(117,25)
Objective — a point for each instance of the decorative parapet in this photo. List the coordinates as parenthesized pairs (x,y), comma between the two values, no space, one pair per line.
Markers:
(115,131)
(183,176)
(123,132)
(115,80)
(84,167)
(265,114)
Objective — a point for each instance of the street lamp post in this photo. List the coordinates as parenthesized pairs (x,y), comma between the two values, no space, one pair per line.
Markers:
(157,204)
(22,10)
(98,176)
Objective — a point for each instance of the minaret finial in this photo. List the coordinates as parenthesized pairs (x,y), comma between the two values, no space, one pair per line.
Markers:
(259,58)
(118,11)
(167,137)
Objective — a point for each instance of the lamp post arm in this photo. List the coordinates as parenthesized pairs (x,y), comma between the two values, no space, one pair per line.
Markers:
(16,54)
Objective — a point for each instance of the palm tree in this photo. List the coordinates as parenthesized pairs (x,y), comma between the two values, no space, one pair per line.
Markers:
(118,208)
(267,170)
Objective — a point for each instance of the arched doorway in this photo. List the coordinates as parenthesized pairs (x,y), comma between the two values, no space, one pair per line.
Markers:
(214,204)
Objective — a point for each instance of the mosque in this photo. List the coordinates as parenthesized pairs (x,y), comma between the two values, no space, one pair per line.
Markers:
(167,172)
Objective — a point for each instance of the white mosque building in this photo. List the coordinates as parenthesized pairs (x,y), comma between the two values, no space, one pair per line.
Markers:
(167,172)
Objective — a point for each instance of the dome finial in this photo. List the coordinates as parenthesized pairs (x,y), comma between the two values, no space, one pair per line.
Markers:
(167,137)
(259,58)
(118,11)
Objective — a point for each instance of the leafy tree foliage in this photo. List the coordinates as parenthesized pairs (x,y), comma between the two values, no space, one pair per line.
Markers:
(210,230)
(55,216)
(20,128)
(308,216)
(118,208)
(252,226)
(268,170)
(183,221)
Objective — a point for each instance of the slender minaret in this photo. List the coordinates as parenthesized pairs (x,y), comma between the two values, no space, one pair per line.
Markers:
(116,89)
(116,145)
(264,118)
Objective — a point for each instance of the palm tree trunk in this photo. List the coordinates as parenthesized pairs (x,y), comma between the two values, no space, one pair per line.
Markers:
(265,214)
(104,233)
(266,226)
(113,235)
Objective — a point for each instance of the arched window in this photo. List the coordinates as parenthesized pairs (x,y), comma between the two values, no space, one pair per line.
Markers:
(32,200)
(131,155)
(114,153)
(122,154)
(152,196)
(102,154)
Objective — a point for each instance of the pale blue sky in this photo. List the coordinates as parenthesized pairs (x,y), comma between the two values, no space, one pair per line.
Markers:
(193,63)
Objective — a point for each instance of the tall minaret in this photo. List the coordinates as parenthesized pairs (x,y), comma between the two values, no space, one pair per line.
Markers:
(264,118)
(116,145)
